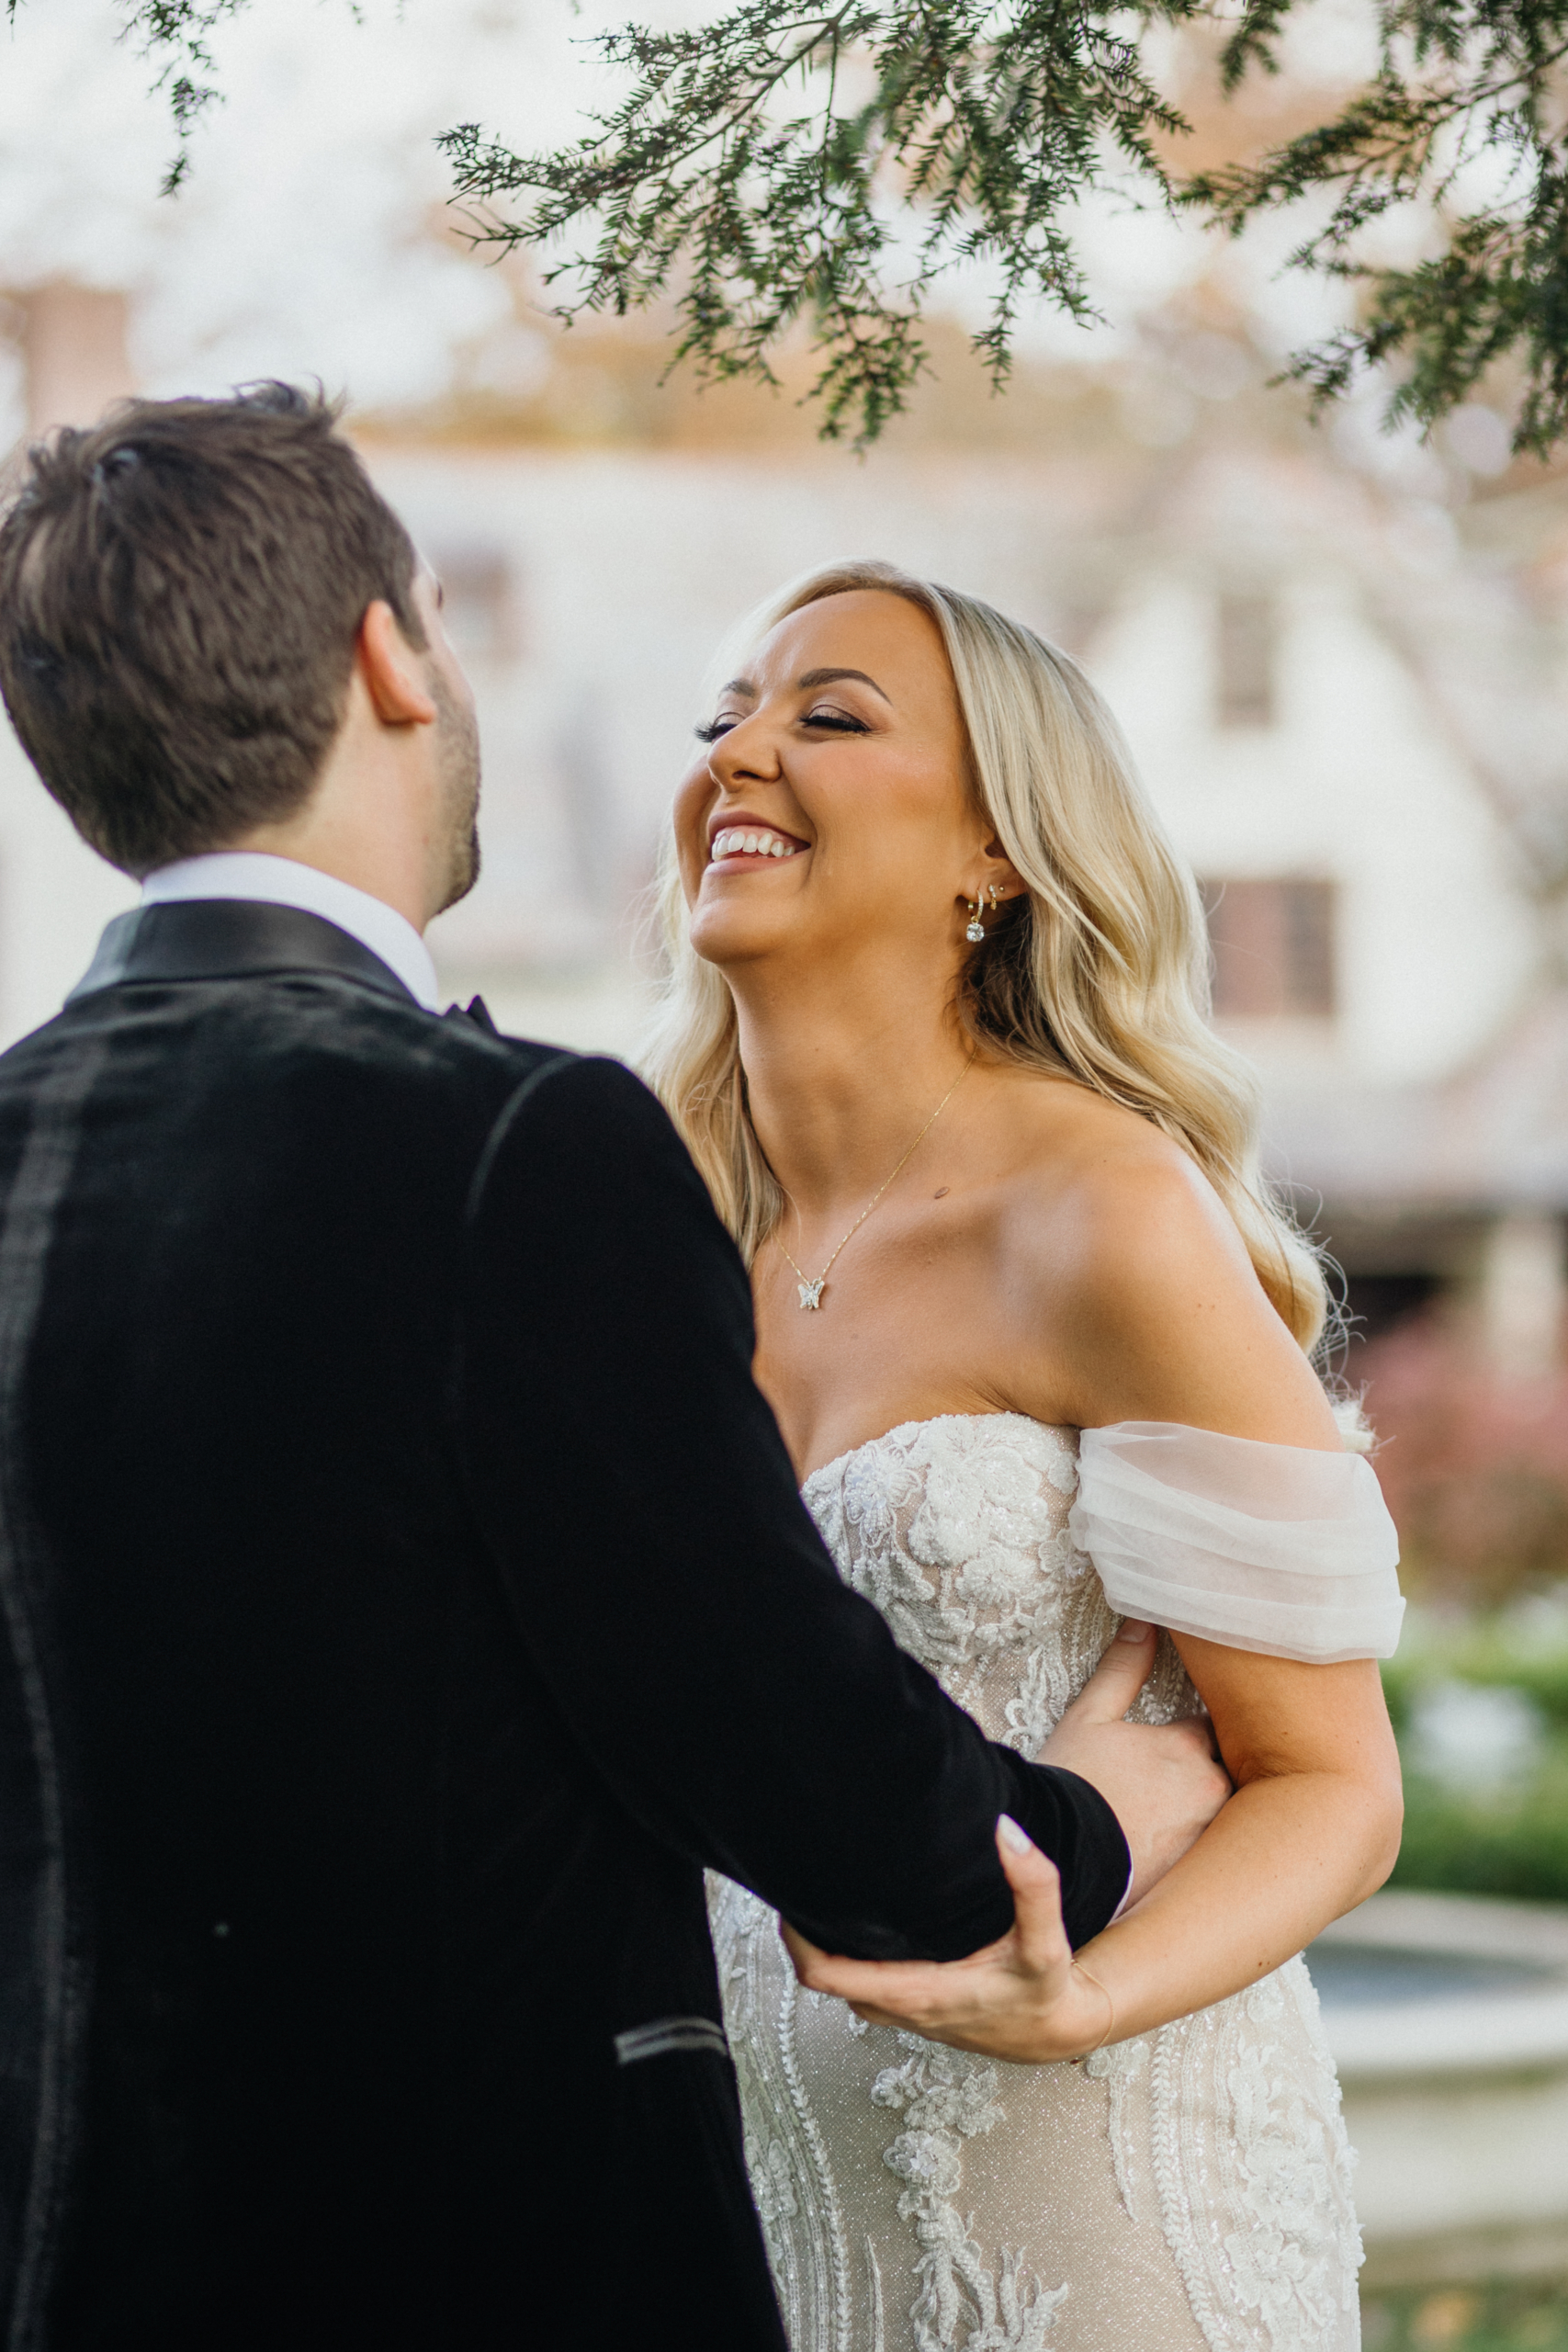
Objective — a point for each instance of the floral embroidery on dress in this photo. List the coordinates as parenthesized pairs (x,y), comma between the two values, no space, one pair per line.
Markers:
(1120,2067)
(1245,2093)
(946,2098)
(1220,2136)
(792,2179)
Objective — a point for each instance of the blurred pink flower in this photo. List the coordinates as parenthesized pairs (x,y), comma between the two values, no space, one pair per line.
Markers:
(1474,1465)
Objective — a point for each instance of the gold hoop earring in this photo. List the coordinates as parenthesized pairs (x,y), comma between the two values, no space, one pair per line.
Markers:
(976,931)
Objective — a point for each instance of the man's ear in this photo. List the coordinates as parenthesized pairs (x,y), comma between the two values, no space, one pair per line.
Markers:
(387,663)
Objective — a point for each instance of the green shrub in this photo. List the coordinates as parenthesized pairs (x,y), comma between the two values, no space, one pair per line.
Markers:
(1483,1653)
(1502,2315)
(1508,1840)
(1513,1843)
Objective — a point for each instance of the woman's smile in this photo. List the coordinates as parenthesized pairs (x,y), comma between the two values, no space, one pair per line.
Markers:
(841,752)
(740,840)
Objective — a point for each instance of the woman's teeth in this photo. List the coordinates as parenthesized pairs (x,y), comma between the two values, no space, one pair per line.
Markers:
(753,841)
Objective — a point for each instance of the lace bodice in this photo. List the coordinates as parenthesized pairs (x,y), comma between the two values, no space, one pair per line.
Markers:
(956,1529)
(1184,2190)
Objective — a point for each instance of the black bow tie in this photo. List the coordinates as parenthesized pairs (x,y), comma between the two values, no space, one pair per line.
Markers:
(476,1011)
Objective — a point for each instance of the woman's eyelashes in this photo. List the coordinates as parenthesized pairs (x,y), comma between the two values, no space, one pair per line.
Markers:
(837,722)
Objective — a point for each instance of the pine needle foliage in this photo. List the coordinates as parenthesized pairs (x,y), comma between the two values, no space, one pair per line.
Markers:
(827,166)
(786,167)
(974,132)
(175,34)
(1468,117)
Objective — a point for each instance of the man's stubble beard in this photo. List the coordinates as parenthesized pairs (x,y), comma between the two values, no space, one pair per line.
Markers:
(459,747)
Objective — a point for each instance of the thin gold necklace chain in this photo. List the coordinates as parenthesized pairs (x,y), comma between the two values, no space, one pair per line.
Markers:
(811,1291)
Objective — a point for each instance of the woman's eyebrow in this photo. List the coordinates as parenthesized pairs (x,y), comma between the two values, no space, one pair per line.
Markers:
(827,677)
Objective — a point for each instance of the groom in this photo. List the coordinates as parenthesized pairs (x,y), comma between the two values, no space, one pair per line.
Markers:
(405,1591)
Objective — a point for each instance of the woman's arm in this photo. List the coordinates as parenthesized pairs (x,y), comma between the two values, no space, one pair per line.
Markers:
(1171,1325)
(1166,1323)
(1312,1831)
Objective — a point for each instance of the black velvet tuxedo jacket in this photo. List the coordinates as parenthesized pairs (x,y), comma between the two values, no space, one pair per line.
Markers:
(406,1594)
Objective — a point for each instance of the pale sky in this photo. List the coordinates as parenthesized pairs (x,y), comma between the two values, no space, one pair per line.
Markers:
(305,240)
(301,242)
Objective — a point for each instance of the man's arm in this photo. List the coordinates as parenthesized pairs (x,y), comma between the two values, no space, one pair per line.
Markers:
(735,1695)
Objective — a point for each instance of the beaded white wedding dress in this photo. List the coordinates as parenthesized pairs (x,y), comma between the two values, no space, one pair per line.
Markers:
(1186,2190)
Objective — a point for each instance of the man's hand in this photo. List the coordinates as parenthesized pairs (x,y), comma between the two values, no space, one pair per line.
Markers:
(1021,1998)
(1162,1781)
(1024,1999)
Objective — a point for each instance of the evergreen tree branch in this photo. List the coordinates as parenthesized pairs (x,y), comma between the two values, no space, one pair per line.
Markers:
(1458,80)
(822,168)
(714,185)
(175,35)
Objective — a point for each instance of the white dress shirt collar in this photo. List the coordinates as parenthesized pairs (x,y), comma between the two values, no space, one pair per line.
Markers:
(283,882)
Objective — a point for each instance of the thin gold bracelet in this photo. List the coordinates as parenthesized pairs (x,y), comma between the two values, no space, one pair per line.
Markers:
(1111,2005)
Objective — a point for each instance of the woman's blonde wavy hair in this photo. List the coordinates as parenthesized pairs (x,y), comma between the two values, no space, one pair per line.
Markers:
(1100,970)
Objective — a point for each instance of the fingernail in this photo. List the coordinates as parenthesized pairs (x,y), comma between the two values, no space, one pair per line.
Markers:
(1012,1836)
(1132,1629)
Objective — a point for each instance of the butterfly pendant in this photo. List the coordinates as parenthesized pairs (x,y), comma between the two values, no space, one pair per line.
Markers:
(811,1293)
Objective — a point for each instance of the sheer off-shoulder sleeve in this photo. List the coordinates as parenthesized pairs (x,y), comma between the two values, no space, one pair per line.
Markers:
(1274,1548)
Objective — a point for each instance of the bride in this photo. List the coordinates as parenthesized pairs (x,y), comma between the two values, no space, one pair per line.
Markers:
(1039,1340)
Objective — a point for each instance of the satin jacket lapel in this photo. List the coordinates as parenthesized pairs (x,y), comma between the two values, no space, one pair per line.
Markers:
(476,1011)
(217,939)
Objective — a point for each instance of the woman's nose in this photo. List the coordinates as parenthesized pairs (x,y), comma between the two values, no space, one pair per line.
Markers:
(746,751)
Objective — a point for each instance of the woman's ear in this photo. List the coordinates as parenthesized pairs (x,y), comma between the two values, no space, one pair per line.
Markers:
(994,873)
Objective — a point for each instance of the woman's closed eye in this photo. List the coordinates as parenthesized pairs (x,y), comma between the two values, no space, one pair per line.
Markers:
(836,722)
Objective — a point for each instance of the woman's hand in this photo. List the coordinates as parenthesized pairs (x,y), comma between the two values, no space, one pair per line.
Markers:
(1022,1998)
(1311,1830)
(1163,1781)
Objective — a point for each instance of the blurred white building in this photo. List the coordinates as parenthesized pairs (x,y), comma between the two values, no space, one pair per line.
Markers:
(1307,671)
(1345,676)
(1288,655)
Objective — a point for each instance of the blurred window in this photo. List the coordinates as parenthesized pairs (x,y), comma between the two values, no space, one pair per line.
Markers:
(1378,1304)
(479,609)
(1247,635)
(1273,944)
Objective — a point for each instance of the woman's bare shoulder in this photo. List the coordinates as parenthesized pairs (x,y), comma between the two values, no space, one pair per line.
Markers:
(1117,1242)
(1078,1149)
(1103,1198)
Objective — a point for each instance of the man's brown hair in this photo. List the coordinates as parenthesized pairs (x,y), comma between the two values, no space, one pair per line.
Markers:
(181,589)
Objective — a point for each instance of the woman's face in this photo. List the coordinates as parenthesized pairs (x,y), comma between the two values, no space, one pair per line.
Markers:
(831,805)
